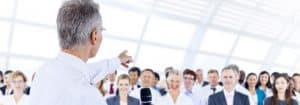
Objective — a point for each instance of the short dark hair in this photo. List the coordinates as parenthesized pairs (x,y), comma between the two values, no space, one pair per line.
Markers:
(189,72)
(213,71)
(233,67)
(148,69)
(156,75)
(275,74)
(135,69)
(296,74)
(8,72)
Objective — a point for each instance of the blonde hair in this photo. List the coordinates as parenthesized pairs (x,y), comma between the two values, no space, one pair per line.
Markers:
(18,73)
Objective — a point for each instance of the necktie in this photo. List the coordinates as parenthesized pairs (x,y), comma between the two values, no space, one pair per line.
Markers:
(111,89)
(213,89)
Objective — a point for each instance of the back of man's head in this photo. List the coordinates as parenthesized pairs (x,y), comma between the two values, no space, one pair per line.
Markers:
(76,20)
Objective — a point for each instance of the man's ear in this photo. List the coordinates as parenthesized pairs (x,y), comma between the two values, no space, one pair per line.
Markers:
(94,37)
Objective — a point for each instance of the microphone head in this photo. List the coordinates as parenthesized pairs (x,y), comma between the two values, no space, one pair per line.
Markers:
(146,95)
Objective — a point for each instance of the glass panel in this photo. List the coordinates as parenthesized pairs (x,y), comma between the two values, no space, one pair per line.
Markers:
(35,41)
(247,66)
(158,58)
(43,11)
(216,41)
(167,31)
(122,22)
(251,48)
(207,62)
(4,35)
(288,56)
(6,8)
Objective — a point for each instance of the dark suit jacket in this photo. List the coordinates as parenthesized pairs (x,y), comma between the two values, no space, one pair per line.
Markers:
(205,83)
(115,100)
(3,89)
(219,99)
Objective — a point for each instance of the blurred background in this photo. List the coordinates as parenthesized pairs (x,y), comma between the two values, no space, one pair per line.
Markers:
(254,34)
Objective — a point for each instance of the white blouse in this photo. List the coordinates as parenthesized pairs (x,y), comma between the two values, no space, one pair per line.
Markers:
(182,99)
(9,100)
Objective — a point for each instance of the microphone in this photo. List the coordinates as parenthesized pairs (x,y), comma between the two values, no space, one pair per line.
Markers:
(146,97)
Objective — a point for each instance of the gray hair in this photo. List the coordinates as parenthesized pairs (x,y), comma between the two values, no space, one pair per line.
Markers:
(76,20)
(232,67)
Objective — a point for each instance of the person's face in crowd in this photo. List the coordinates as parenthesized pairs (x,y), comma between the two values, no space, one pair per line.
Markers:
(229,79)
(213,79)
(7,79)
(281,85)
(18,84)
(199,75)
(264,79)
(292,84)
(111,77)
(155,81)
(252,80)
(147,79)
(297,83)
(123,85)
(173,82)
(95,41)
(272,79)
(188,81)
(133,78)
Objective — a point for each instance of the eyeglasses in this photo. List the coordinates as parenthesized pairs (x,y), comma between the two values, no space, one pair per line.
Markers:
(188,78)
(20,81)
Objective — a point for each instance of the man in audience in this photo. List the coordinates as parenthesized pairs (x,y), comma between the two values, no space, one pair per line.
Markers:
(229,96)
(1,79)
(110,85)
(242,77)
(212,88)
(156,80)
(189,79)
(69,79)
(6,89)
(200,82)
(147,80)
(134,75)
(296,78)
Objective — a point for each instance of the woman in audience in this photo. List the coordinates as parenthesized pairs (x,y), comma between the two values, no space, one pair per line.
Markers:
(122,98)
(282,93)
(18,82)
(264,83)
(174,96)
(256,94)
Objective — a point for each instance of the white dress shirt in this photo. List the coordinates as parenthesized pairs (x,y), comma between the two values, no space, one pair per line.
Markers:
(244,91)
(182,99)
(67,80)
(155,95)
(194,94)
(229,96)
(9,100)
(206,91)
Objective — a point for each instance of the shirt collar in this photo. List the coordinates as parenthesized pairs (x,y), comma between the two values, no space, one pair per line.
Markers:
(229,93)
(75,62)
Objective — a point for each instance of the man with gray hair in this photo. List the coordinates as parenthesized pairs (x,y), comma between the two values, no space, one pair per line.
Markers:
(68,79)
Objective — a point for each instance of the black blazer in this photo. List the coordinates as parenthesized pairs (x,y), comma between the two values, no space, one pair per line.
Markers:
(219,99)
(115,100)
(3,89)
